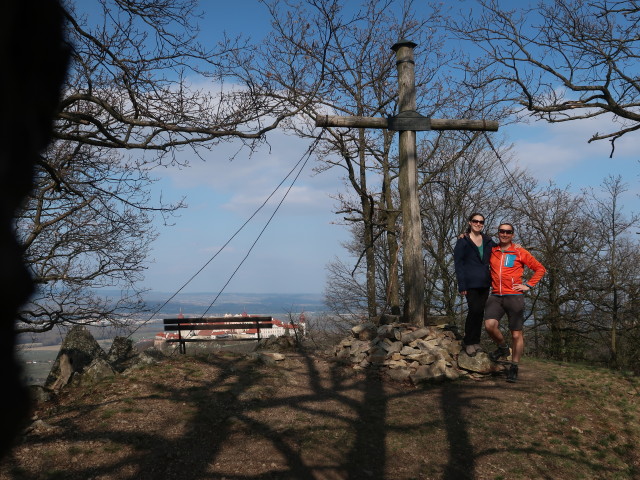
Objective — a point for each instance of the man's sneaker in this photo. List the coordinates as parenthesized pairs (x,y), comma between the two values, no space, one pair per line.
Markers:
(500,352)
(512,375)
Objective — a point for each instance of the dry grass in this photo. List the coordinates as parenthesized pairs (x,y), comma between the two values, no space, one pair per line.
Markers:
(228,417)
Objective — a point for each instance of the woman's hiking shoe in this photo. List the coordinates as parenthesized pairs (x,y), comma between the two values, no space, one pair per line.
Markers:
(500,352)
(470,350)
(512,375)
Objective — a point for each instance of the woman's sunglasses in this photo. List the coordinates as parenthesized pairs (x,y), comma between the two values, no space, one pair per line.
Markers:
(480,222)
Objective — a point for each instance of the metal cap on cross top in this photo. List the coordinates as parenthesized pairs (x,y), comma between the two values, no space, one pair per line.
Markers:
(403,43)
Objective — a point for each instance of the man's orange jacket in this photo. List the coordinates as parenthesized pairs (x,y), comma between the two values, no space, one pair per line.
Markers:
(507,269)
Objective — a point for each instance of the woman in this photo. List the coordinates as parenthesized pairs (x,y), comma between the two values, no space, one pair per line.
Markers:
(471,257)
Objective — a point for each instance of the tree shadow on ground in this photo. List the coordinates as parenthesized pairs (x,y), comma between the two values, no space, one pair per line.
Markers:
(233,417)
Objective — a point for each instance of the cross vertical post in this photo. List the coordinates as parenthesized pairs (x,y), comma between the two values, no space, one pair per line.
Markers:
(412,264)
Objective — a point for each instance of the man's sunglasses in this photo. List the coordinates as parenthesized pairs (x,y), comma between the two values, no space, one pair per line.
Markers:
(502,230)
(480,222)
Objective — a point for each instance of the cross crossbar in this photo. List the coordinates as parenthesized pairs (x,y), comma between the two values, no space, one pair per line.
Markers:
(418,125)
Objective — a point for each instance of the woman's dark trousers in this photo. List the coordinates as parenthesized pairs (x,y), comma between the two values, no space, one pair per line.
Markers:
(476,300)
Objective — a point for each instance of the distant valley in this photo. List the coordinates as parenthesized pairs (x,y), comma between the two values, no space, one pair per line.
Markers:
(236,303)
(38,352)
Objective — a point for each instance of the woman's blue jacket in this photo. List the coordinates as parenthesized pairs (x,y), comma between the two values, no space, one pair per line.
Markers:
(471,270)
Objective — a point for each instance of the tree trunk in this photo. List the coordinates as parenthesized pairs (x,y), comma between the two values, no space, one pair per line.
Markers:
(367,213)
(391,216)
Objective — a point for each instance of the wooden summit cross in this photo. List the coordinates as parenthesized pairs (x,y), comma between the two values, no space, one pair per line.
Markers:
(408,122)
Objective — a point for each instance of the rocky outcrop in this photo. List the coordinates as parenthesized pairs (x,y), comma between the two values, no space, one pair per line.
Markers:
(97,370)
(122,354)
(78,350)
(82,361)
(406,352)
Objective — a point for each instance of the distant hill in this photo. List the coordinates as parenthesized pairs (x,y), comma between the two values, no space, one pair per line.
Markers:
(233,303)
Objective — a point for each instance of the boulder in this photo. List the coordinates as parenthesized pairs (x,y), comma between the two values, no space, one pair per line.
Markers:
(480,363)
(399,374)
(39,394)
(392,347)
(150,356)
(269,358)
(121,354)
(360,347)
(421,375)
(410,351)
(437,371)
(284,343)
(99,369)
(78,350)
(377,356)
(423,358)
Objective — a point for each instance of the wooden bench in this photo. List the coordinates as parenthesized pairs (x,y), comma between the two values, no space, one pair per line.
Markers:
(224,324)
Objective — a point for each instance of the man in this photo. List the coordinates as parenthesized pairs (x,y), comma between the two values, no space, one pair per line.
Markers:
(507,264)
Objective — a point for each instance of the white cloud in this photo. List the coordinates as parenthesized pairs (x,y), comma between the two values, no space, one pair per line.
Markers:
(247,181)
(299,200)
(562,150)
(545,160)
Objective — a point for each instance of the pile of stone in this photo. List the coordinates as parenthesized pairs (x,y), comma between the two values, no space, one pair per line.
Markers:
(405,352)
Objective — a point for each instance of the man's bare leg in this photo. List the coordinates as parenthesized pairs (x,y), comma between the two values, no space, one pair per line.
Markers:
(518,345)
(492,326)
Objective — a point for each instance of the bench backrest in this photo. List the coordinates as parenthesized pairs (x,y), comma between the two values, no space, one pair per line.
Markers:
(217,323)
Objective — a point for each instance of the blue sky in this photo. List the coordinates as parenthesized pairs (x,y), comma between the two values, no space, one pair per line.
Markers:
(291,255)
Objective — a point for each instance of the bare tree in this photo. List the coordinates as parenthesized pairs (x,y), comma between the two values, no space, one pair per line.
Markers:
(582,308)
(140,89)
(459,174)
(133,82)
(610,228)
(346,293)
(345,54)
(561,61)
(553,228)
(628,336)
(346,287)
(86,226)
